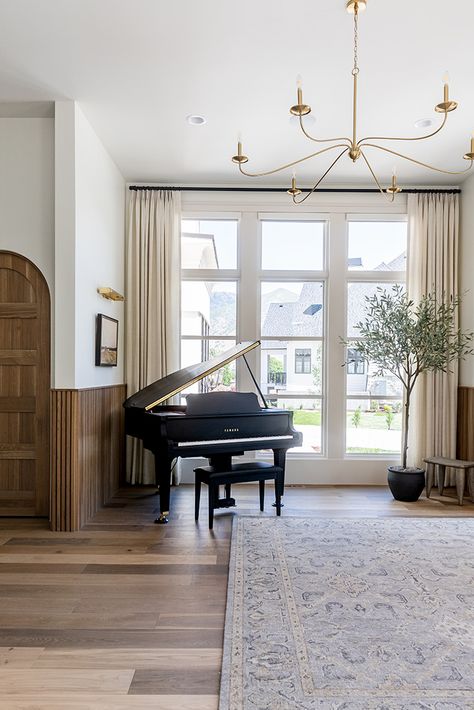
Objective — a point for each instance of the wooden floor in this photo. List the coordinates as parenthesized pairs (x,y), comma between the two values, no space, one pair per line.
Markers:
(128,614)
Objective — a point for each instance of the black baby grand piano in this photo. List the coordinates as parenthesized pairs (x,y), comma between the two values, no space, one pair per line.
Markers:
(216,425)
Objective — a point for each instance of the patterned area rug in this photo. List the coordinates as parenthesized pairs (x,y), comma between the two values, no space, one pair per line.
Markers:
(350,615)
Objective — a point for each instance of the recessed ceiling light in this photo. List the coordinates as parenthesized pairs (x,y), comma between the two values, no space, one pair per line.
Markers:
(424,123)
(195,120)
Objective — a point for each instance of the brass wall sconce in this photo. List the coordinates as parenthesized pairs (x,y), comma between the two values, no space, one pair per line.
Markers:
(110,294)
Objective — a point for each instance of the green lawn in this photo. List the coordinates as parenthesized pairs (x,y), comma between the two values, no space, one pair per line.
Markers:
(307,416)
(368,420)
(375,420)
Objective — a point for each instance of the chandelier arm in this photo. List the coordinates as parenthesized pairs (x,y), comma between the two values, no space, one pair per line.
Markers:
(299,202)
(418,162)
(323,140)
(376,179)
(419,138)
(295,162)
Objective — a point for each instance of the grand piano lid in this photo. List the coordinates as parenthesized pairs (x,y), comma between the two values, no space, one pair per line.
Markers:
(168,386)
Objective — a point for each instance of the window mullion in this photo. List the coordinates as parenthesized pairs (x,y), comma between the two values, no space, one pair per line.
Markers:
(249,296)
(336,307)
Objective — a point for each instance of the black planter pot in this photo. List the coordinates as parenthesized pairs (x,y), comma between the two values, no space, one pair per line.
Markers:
(406,484)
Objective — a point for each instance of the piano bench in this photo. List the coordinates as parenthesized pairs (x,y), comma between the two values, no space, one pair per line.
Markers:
(239,473)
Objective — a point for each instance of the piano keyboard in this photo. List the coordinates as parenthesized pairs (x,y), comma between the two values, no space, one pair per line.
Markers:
(233,441)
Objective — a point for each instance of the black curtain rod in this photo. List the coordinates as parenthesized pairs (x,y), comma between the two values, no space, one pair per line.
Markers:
(410,190)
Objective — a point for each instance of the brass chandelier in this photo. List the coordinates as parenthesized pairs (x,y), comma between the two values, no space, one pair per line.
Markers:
(353,147)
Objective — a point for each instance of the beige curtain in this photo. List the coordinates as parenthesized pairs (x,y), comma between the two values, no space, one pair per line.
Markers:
(152,304)
(433,228)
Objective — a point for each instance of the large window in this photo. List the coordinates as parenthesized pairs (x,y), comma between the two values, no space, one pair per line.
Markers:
(298,285)
(292,321)
(374,399)
(209,291)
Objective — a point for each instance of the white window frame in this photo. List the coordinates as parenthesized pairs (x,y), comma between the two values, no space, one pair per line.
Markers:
(334,465)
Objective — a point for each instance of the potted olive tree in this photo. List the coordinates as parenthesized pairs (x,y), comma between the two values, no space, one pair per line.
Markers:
(407,339)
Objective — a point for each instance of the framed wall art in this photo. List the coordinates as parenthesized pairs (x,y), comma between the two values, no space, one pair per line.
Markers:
(106,341)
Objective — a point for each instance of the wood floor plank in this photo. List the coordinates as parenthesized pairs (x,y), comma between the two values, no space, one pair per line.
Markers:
(19,657)
(174,682)
(164,568)
(111,638)
(137,658)
(24,619)
(109,559)
(14,681)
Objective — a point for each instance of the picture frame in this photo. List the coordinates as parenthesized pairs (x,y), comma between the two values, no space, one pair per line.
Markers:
(106,341)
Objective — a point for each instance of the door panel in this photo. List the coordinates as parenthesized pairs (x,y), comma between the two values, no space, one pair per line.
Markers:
(24,388)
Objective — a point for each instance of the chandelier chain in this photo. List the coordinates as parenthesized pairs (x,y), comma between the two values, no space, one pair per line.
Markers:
(355,69)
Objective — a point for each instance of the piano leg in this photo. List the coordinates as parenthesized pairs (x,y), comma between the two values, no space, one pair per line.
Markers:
(163,478)
(279,459)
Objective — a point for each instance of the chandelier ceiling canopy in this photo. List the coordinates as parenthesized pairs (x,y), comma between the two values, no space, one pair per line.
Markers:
(356,148)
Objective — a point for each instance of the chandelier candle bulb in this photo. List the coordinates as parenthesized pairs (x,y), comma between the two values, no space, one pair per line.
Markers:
(240,157)
(447,105)
(470,156)
(293,191)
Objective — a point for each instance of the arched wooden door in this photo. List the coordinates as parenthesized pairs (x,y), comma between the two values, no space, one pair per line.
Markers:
(24,387)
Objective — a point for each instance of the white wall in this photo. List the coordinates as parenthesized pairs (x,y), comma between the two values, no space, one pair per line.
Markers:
(27,190)
(65,246)
(466,260)
(90,218)
(100,219)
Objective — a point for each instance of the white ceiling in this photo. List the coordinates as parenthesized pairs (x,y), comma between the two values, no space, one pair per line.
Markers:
(139,67)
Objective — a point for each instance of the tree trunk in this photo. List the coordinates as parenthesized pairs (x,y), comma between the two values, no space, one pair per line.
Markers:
(406,419)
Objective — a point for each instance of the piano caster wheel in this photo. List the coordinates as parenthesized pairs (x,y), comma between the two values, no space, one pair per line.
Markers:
(162,520)
(274,505)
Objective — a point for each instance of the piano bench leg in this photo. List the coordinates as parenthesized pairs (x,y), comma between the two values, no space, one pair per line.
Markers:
(227,490)
(262,495)
(197,497)
(163,519)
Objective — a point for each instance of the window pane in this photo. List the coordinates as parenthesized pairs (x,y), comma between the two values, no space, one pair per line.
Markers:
(195,351)
(307,419)
(293,245)
(208,244)
(208,308)
(291,367)
(373,427)
(377,246)
(292,309)
(357,305)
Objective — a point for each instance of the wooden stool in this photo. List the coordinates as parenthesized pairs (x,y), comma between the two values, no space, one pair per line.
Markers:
(238,473)
(461,466)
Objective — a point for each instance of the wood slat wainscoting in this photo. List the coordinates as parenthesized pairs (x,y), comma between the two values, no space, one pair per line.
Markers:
(87,445)
(465,435)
